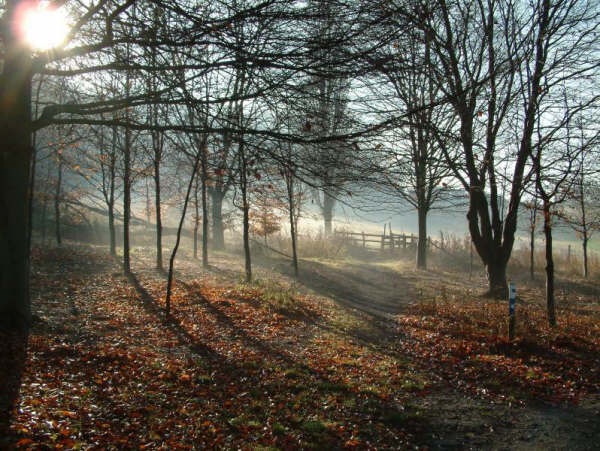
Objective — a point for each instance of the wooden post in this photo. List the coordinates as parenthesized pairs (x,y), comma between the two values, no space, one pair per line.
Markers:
(363,238)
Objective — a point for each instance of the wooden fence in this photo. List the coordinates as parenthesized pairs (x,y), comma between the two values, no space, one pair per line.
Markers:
(380,241)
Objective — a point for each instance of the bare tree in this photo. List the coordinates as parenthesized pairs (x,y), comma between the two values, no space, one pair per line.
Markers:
(479,49)
(582,212)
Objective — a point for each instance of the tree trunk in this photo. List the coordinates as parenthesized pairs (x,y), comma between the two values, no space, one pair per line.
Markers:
(532,252)
(328,206)
(178,239)
(203,179)
(196,217)
(422,242)
(159,227)
(290,193)
(111,210)
(111,231)
(246,211)
(217,220)
(550,301)
(127,180)
(497,283)
(15,167)
(57,195)
(489,249)
(584,245)
(126,201)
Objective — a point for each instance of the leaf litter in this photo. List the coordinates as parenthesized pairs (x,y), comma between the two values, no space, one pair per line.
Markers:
(236,368)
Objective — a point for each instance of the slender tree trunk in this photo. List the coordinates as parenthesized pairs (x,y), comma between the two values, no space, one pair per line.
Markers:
(203,179)
(15,167)
(127,180)
(246,212)
(178,239)
(422,241)
(157,204)
(290,192)
(57,195)
(328,206)
(111,209)
(126,201)
(43,219)
(196,216)
(532,252)
(550,300)
(584,245)
(217,219)
(111,231)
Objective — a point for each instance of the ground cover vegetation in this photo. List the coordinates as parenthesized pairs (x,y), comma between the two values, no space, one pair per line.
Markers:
(224,126)
(275,365)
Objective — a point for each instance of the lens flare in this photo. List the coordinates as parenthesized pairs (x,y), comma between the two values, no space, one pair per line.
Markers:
(42,26)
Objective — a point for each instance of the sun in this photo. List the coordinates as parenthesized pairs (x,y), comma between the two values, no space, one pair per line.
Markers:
(43,26)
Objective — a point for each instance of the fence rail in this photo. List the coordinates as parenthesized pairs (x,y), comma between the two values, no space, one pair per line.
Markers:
(382,241)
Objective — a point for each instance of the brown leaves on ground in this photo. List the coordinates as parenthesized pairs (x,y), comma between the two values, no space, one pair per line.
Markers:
(465,343)
(259,366)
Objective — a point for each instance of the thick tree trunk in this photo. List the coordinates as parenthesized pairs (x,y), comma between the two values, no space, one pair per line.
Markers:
(490,249)
(15,166)
(497,282)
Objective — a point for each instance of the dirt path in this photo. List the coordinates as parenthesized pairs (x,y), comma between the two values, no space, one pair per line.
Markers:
(380,289)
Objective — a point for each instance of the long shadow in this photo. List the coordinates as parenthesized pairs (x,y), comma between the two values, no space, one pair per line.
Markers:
(150,304)
(153,307)
(341,285)
(13,353)
(379,409)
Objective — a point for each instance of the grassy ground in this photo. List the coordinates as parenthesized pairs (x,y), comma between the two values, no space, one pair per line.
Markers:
(353,355)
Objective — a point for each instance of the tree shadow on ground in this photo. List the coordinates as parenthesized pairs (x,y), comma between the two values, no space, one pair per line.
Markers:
(374,290)
(13,354)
